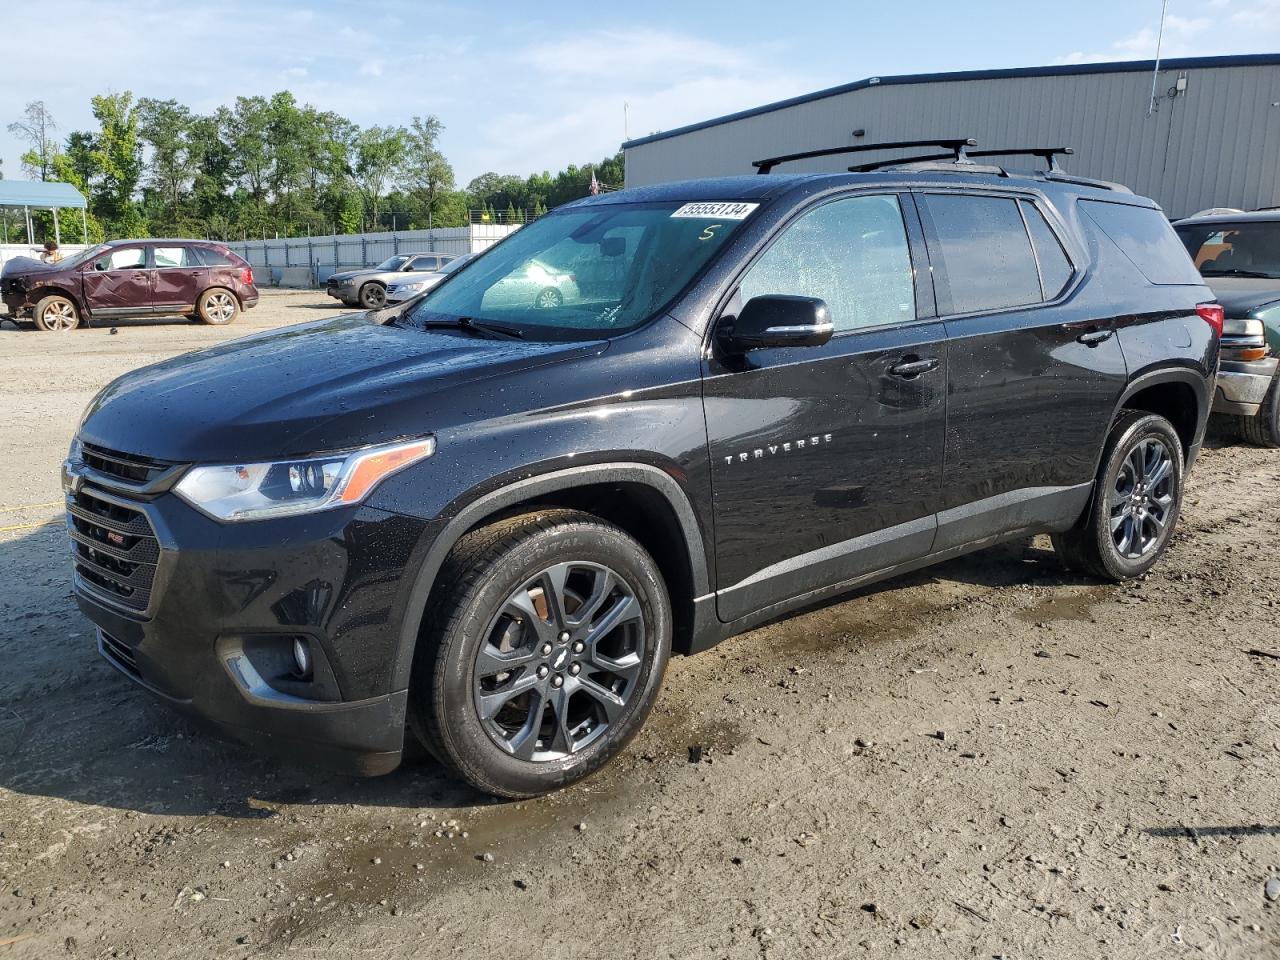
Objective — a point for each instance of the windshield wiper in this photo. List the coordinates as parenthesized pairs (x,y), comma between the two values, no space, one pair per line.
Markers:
(471,324)
(1233,272)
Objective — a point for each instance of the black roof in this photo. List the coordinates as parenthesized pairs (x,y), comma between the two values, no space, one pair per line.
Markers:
(1062,70)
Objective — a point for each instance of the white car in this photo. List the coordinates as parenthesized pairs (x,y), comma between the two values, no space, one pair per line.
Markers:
(533,282)
(410,285)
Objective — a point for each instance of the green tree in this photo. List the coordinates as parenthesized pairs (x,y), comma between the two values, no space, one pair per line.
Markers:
(117,157)
(379,154)
(425,173)
(165,126)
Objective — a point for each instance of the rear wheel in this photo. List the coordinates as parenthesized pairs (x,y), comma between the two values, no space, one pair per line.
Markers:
(218,306)
(1263,429)
(373,295)
(1135,504)
(548,298)
(55,314)
(544,652)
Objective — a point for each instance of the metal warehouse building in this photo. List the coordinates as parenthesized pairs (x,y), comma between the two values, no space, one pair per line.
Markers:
(1210,138)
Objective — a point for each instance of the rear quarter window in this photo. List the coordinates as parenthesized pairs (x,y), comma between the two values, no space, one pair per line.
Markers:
(217,257)
(1146,238)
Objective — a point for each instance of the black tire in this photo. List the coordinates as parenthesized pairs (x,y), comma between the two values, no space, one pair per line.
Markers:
(1147,510)
(56,314)
(373,295)
(472,606)
(217,306)
(1263,428)
(548,299)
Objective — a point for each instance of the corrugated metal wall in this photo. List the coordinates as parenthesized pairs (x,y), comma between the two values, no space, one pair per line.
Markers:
(1217,144)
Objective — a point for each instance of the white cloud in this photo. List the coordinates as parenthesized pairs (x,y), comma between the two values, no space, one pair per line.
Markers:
(1217,27)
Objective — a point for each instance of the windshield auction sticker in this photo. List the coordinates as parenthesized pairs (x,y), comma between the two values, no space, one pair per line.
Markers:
(716,211)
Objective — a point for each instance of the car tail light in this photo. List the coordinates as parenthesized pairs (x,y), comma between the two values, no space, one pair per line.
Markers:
(247,277)
(1212,314)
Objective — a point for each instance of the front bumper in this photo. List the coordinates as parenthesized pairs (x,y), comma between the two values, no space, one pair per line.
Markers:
(1243,385)
(209,633)
(342,292)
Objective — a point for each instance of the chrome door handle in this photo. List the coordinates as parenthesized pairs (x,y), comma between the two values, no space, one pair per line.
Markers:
(913,368)
(1095,337)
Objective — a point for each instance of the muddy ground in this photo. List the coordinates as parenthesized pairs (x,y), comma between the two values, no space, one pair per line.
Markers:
(991,758)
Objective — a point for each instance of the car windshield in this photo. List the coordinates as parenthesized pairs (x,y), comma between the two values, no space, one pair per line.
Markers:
(1234,249)
(392,263)
(585,272)
(84,256)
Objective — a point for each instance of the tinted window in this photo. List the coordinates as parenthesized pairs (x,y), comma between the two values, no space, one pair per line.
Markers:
(1147,240)
(1234,249)
(985,252)
(173,257)
(424,263)
(213,257)
(851,253)
(132,258)
(1055,268)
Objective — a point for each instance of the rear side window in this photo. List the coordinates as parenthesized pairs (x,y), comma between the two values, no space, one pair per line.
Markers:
(213,257)
(985,252)
(1055,268)
(1146,238)
(173,257)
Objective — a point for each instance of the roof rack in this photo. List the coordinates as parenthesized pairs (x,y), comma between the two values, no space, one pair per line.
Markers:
(1048,154)
(958,152)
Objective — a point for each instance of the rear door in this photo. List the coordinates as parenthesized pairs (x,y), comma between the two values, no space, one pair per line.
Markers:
(178,278)
(827,461)
(1034,375)
(118,282)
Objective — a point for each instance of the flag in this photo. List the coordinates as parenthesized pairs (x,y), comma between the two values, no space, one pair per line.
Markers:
(595,185)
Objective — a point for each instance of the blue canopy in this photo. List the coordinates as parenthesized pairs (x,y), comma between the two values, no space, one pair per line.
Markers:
(40,195)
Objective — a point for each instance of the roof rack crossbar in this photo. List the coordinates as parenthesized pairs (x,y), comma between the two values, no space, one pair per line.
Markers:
(1048,154)
(958,148)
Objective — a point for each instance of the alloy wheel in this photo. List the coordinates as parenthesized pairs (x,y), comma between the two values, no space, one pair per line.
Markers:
(1141,499)
(560,661)
(220,307)
(60,315)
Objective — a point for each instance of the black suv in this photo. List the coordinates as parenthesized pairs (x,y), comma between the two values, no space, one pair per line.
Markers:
(491,519)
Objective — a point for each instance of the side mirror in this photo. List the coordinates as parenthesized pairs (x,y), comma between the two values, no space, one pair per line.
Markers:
(778,321)
(100,265)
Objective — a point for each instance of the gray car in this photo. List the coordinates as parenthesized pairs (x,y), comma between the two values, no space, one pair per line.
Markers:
(368,287)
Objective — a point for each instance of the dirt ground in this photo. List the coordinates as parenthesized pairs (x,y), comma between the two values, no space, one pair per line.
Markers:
(988,759)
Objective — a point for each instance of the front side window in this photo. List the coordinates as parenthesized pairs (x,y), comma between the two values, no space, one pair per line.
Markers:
(851,253)
(131,258)
(985,253)
(1234,249)
(173,257)
(424,263)
(586,272)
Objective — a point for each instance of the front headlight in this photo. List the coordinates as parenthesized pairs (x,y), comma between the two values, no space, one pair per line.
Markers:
(404,288)
(255,491)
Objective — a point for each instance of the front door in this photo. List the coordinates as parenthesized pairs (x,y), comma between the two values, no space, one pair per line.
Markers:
(1034,375)
(177,279)
(827,461)
(118,283)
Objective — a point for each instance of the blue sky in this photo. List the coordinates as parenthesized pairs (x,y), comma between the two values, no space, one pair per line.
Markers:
(523,87)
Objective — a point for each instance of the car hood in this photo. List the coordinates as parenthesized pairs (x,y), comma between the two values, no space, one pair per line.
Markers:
(1240,296)
(20,265)
(327,385)
(352,274)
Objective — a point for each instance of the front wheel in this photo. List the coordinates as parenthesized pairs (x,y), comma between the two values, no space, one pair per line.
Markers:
(1135,503)
(548,299)
(373,295)
(544,653)
(56,314)
(217,306)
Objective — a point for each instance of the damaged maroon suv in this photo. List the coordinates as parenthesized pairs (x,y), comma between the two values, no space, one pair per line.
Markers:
(198,279)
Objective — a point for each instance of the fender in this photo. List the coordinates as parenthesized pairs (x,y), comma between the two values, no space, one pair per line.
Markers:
(1201,385)
(523,490)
